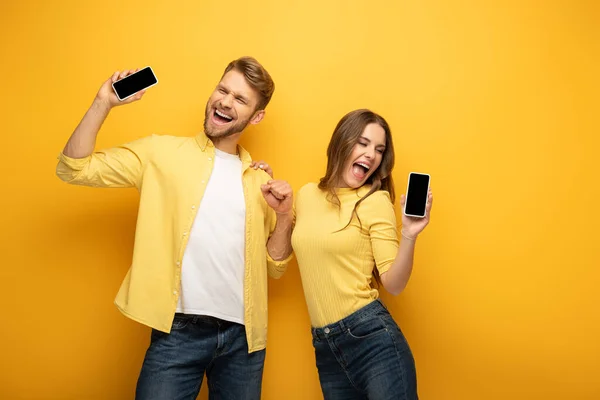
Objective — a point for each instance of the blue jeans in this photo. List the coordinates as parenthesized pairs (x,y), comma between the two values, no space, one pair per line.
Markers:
(365,356)
(175,363)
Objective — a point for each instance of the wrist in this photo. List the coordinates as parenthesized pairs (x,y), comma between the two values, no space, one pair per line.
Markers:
(408,235)
(286,216)
(102,105)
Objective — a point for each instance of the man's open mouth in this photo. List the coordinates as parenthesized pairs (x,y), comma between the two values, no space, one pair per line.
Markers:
(220,118)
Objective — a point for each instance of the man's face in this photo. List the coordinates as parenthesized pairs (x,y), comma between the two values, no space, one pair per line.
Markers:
(231,107)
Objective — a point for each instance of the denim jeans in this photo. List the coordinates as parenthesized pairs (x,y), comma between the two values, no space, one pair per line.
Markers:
(175,363)
(365,356)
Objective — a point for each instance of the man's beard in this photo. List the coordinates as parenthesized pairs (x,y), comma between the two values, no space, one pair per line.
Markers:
(231,130)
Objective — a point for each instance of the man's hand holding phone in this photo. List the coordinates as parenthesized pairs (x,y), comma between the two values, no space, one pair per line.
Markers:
(123,87)
(107,96)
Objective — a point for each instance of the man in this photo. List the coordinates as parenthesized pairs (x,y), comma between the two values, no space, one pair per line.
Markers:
(210,228)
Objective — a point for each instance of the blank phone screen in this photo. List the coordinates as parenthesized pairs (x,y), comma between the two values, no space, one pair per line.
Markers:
(134,83)
(416,198)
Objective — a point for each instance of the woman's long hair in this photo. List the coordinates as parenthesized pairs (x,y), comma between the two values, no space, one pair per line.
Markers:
(345,136)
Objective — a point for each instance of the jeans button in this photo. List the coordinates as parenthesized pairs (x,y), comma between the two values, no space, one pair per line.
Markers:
(326,330)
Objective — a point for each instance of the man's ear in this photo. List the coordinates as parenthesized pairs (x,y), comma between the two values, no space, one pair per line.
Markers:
(258,116)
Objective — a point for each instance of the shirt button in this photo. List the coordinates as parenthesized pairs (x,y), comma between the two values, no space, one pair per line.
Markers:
(193,207)
(209,159)
(175,292)
(203,181)
(326,330)
(178,263)
(184,233)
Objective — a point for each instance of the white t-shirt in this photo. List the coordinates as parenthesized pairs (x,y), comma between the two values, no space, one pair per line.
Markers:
(212,273)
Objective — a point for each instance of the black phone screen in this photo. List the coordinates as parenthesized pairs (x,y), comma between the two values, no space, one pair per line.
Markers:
(134,83)
(416,198)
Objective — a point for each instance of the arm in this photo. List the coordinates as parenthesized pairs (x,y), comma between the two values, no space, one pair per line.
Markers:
(394,280)
(83,140)
(279,196)
(117,167)
(396,277)
(279,245)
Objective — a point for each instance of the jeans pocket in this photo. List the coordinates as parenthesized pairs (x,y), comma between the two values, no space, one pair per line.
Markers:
(367,328)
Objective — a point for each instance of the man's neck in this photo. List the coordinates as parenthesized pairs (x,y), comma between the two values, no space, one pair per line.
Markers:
(228,144)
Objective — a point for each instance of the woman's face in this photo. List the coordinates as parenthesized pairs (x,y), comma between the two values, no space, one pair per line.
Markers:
(365,157)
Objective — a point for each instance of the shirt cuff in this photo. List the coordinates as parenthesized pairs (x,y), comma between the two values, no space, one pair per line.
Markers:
(279,263)
(76,164)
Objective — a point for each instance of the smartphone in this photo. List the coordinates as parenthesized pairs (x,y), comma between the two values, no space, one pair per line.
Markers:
(417,194)
(133,83)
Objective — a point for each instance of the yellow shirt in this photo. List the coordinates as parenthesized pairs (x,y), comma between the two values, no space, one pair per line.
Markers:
(171,174)
(337,267)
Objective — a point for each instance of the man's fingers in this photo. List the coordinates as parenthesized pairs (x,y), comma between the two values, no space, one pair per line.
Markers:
(281,188)
(265,188)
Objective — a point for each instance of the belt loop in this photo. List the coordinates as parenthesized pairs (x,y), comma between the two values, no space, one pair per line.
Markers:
(315,334)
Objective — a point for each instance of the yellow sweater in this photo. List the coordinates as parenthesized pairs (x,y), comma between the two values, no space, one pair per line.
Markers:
(337,267)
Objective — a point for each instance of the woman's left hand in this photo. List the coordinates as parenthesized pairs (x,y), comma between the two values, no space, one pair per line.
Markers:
(412,226)
(264,166)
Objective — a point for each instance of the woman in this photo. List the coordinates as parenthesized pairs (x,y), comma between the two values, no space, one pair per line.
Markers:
(345,238)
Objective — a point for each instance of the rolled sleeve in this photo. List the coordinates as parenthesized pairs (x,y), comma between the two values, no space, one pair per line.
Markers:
(69,168)
(120,166)
(277,268)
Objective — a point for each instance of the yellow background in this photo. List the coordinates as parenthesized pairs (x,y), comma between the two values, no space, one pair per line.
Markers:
(497,100)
